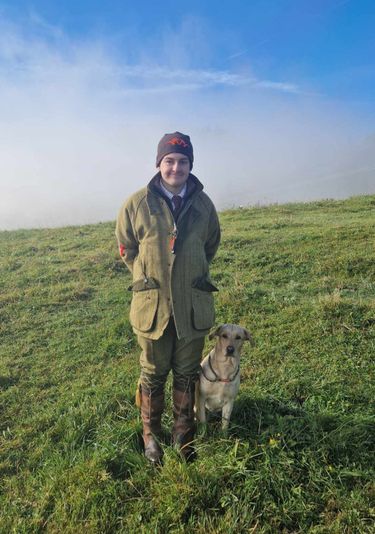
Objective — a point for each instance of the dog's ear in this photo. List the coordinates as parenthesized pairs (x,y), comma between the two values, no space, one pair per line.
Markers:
(249,336)
(215,332)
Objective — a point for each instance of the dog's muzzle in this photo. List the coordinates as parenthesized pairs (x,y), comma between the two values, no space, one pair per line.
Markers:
(230,350)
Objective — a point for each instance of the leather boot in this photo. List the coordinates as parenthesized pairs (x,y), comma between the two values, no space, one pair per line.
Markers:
(152,406)
(183,430)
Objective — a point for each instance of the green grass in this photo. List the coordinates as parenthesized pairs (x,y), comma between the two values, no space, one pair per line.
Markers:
(299,456)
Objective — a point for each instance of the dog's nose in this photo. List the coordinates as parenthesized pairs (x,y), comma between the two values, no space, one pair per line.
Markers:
(230,349)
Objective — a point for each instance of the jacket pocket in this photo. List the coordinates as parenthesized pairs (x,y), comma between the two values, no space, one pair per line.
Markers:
(204,283)
(203,309)
(144,304)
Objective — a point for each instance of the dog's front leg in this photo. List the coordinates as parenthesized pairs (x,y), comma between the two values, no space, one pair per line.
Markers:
(225,415)
(201,408)
(200,414)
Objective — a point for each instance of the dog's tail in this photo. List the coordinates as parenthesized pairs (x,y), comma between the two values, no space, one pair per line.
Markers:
(138,401)
(196,403)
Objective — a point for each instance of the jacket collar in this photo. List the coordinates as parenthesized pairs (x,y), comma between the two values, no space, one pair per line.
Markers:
(194,186)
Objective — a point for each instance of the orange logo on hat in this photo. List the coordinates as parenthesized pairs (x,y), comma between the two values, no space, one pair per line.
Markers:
(177,141)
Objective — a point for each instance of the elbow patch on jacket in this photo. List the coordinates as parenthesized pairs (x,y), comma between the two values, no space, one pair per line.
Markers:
(122,250)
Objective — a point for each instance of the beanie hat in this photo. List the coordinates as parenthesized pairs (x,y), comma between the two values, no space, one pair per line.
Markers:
(175,142)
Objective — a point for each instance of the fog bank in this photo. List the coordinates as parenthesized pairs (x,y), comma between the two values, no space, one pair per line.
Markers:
(79,130)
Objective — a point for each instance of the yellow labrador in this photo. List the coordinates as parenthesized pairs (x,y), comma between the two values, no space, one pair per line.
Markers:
(219,380)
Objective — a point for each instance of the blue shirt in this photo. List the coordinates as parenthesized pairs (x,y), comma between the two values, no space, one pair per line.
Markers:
(170,195)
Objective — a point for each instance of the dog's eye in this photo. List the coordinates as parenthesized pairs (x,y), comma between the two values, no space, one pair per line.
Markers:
(238,337)
(225,335)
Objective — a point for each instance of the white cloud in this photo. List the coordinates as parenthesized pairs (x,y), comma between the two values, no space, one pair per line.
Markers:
(202,78)
(80,128)
(42,59)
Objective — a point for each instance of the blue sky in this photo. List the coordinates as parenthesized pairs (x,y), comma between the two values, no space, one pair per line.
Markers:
(277,95)
(325,46)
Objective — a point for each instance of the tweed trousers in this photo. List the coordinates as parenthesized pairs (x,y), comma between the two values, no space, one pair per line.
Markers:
(168,353)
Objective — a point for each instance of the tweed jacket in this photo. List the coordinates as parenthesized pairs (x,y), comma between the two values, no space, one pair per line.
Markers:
(169,260)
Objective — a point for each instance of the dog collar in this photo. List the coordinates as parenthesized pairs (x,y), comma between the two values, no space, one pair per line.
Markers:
(217,378)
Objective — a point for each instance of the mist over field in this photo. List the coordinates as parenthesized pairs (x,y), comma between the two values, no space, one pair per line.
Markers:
(80,126)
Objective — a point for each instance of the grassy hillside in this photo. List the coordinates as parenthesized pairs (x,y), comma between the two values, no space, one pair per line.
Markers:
(299,456)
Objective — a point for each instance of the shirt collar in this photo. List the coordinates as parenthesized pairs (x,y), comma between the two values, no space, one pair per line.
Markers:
(170,195)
